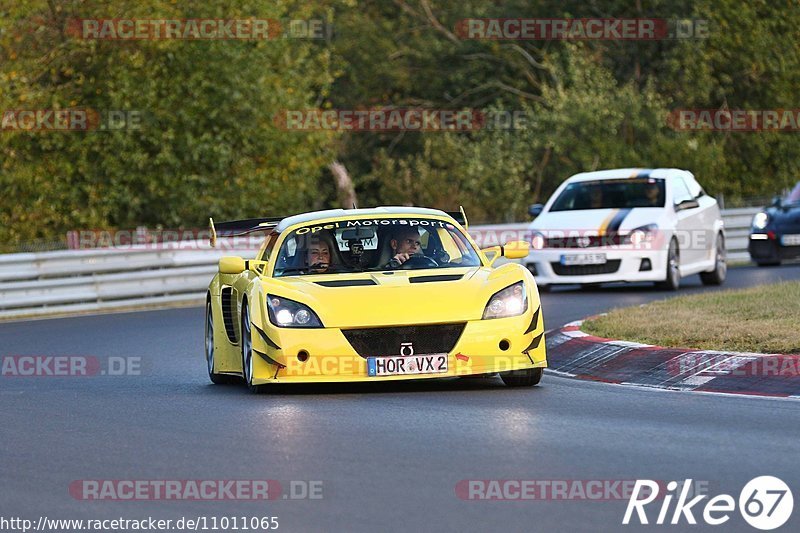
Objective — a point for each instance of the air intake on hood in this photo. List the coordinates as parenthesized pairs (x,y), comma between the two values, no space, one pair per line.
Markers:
(442,277)
(346,282)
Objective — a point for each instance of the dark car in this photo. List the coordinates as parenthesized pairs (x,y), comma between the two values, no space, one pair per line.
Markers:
(775,233)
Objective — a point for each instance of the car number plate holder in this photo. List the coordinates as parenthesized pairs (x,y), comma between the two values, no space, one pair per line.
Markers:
(400,365)
(583,259)
(790,240)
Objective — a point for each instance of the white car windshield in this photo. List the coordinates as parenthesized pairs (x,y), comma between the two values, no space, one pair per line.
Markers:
(611,194)
(359,245)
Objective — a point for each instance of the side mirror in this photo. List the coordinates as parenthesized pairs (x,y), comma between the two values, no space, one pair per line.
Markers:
(510,250)
(231,264)
(777,201)
(687,204)
(515,249)
(535,210)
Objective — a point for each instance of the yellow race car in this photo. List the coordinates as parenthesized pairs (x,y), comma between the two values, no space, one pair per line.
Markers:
(378,294)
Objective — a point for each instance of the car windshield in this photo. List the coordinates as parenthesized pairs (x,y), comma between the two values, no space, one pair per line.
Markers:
(360,245)
(611,194)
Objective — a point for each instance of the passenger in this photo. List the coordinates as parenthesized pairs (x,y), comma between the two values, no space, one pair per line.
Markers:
(318,256)
(595,197)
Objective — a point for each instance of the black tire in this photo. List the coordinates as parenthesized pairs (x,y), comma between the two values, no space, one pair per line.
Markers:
(246,343)
(720,272)
(216,379)
(522,378)
(768,263)
(543,288)
(672,281)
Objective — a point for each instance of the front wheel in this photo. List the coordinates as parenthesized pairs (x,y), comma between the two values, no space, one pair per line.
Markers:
(720,272)
(247,351)
(672,281)
(522,378)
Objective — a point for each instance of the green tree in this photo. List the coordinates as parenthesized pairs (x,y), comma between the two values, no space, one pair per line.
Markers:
(207,145)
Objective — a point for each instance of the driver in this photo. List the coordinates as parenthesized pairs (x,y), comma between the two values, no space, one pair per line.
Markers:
(405,243)
(653,193)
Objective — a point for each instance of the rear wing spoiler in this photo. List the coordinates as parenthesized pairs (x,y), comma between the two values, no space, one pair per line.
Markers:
(235,228)
(459,216)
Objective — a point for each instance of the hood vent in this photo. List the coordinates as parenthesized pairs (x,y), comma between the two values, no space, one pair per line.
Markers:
(346,282)
(442,277)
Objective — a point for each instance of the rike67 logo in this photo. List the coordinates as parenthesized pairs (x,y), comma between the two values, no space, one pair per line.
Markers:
(765,503)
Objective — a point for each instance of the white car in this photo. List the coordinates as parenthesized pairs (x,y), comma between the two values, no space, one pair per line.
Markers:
(629,225)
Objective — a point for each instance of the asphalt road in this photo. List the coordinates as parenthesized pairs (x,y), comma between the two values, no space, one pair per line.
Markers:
(389,458)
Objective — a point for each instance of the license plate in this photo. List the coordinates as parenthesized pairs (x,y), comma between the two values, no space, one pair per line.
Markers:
(405,365)
(583,259)
(790,240)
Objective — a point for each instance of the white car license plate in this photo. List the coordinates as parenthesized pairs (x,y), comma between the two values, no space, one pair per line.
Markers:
(410,364)
(790,240)
(583,259)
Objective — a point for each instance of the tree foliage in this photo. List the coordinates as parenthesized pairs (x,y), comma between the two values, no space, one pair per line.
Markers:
(209,146)
(206,146)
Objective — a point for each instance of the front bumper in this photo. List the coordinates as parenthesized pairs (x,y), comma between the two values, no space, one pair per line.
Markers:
(623,264)
(331,358)
(768,250)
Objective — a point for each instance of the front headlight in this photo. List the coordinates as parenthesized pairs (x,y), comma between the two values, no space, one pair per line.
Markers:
(538,240)
(761,220)
(641,235)
(286,313)
(511,301)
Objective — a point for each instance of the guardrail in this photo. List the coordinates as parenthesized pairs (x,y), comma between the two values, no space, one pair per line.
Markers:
(737,231)
(33,284)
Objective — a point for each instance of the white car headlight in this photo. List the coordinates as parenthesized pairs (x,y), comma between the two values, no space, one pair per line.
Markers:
(761,220)
(538,240)
(511,301)
(286,313)
(641,235)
